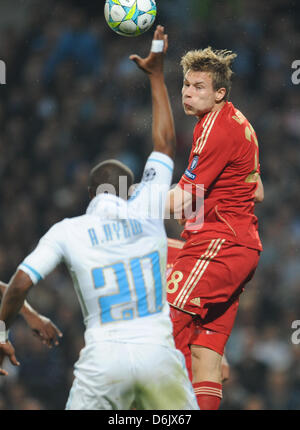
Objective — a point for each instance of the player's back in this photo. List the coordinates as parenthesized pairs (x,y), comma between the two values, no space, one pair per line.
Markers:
(118,269)
(116,255)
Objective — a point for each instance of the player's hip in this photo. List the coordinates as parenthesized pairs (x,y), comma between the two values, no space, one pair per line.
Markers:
(210,272)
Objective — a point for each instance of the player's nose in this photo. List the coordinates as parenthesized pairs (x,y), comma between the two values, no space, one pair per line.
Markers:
(187,92)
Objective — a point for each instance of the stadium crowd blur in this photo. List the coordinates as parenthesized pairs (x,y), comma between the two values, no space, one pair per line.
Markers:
(73,98)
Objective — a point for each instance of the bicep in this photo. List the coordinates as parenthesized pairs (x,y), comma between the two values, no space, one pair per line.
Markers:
(40,262)
(46,256)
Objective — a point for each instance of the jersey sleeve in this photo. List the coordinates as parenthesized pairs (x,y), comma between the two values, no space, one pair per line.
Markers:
(208,159)
(149,198)
(46,256)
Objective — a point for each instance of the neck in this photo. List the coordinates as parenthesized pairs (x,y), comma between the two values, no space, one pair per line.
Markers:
(216,107)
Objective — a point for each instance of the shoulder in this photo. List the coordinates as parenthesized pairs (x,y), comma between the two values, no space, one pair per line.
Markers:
(234,127)
(235,119)
(214,131)
(60,228)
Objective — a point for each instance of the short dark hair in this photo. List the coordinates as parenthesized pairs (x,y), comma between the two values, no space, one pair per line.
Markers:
(108,173)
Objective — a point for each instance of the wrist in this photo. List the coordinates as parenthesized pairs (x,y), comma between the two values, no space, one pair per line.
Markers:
(27,311)
(157,78)
(4,336)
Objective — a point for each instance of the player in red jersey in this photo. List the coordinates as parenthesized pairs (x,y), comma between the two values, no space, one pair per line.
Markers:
(221,251)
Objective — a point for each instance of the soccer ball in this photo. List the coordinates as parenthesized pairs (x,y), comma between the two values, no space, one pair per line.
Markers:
(130,17)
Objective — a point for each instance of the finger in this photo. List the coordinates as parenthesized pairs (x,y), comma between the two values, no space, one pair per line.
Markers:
(58,332)
(37,334)
(54,332)
(159,33)
(166,43)
(13,360)
(3,372)
(136,58)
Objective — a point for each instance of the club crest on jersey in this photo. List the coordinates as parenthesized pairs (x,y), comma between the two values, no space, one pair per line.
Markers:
(149,174)
(194,163)
(193,166)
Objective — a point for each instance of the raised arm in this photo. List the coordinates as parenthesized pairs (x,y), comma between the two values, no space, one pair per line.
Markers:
(163,130)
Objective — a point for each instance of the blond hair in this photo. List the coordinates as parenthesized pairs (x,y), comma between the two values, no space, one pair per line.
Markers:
(216,62)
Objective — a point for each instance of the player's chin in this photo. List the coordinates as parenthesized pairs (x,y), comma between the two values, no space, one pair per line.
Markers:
(188,110)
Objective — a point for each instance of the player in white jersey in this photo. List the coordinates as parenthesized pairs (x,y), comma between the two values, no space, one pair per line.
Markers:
(116,255)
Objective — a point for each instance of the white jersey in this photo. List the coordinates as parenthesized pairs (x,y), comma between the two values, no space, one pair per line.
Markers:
(116,255)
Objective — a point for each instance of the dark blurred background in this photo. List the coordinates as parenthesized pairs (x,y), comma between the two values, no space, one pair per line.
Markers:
(73,98)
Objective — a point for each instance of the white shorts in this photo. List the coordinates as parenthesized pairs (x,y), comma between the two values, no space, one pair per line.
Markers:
(121,376)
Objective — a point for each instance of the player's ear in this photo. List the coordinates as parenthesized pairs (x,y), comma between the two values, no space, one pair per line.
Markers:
(220,94)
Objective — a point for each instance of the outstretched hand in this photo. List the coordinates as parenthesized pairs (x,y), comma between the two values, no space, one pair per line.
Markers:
(153,64)
(7,350)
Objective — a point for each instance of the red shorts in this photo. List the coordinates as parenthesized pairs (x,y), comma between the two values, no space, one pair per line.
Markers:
(206,281)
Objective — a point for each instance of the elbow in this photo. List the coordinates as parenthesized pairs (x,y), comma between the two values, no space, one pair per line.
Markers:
(20,284)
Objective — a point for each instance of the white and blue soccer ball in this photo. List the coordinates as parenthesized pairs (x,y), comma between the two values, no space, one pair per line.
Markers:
(130,17)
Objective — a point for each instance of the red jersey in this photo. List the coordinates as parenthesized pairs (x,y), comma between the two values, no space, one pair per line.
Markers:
(224,161)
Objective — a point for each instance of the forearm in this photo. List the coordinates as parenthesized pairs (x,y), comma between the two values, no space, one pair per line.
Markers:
(11,304)
(13,299)
(26,310)
(163,129)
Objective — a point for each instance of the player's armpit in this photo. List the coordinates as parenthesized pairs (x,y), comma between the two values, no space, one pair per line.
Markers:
(259,194)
